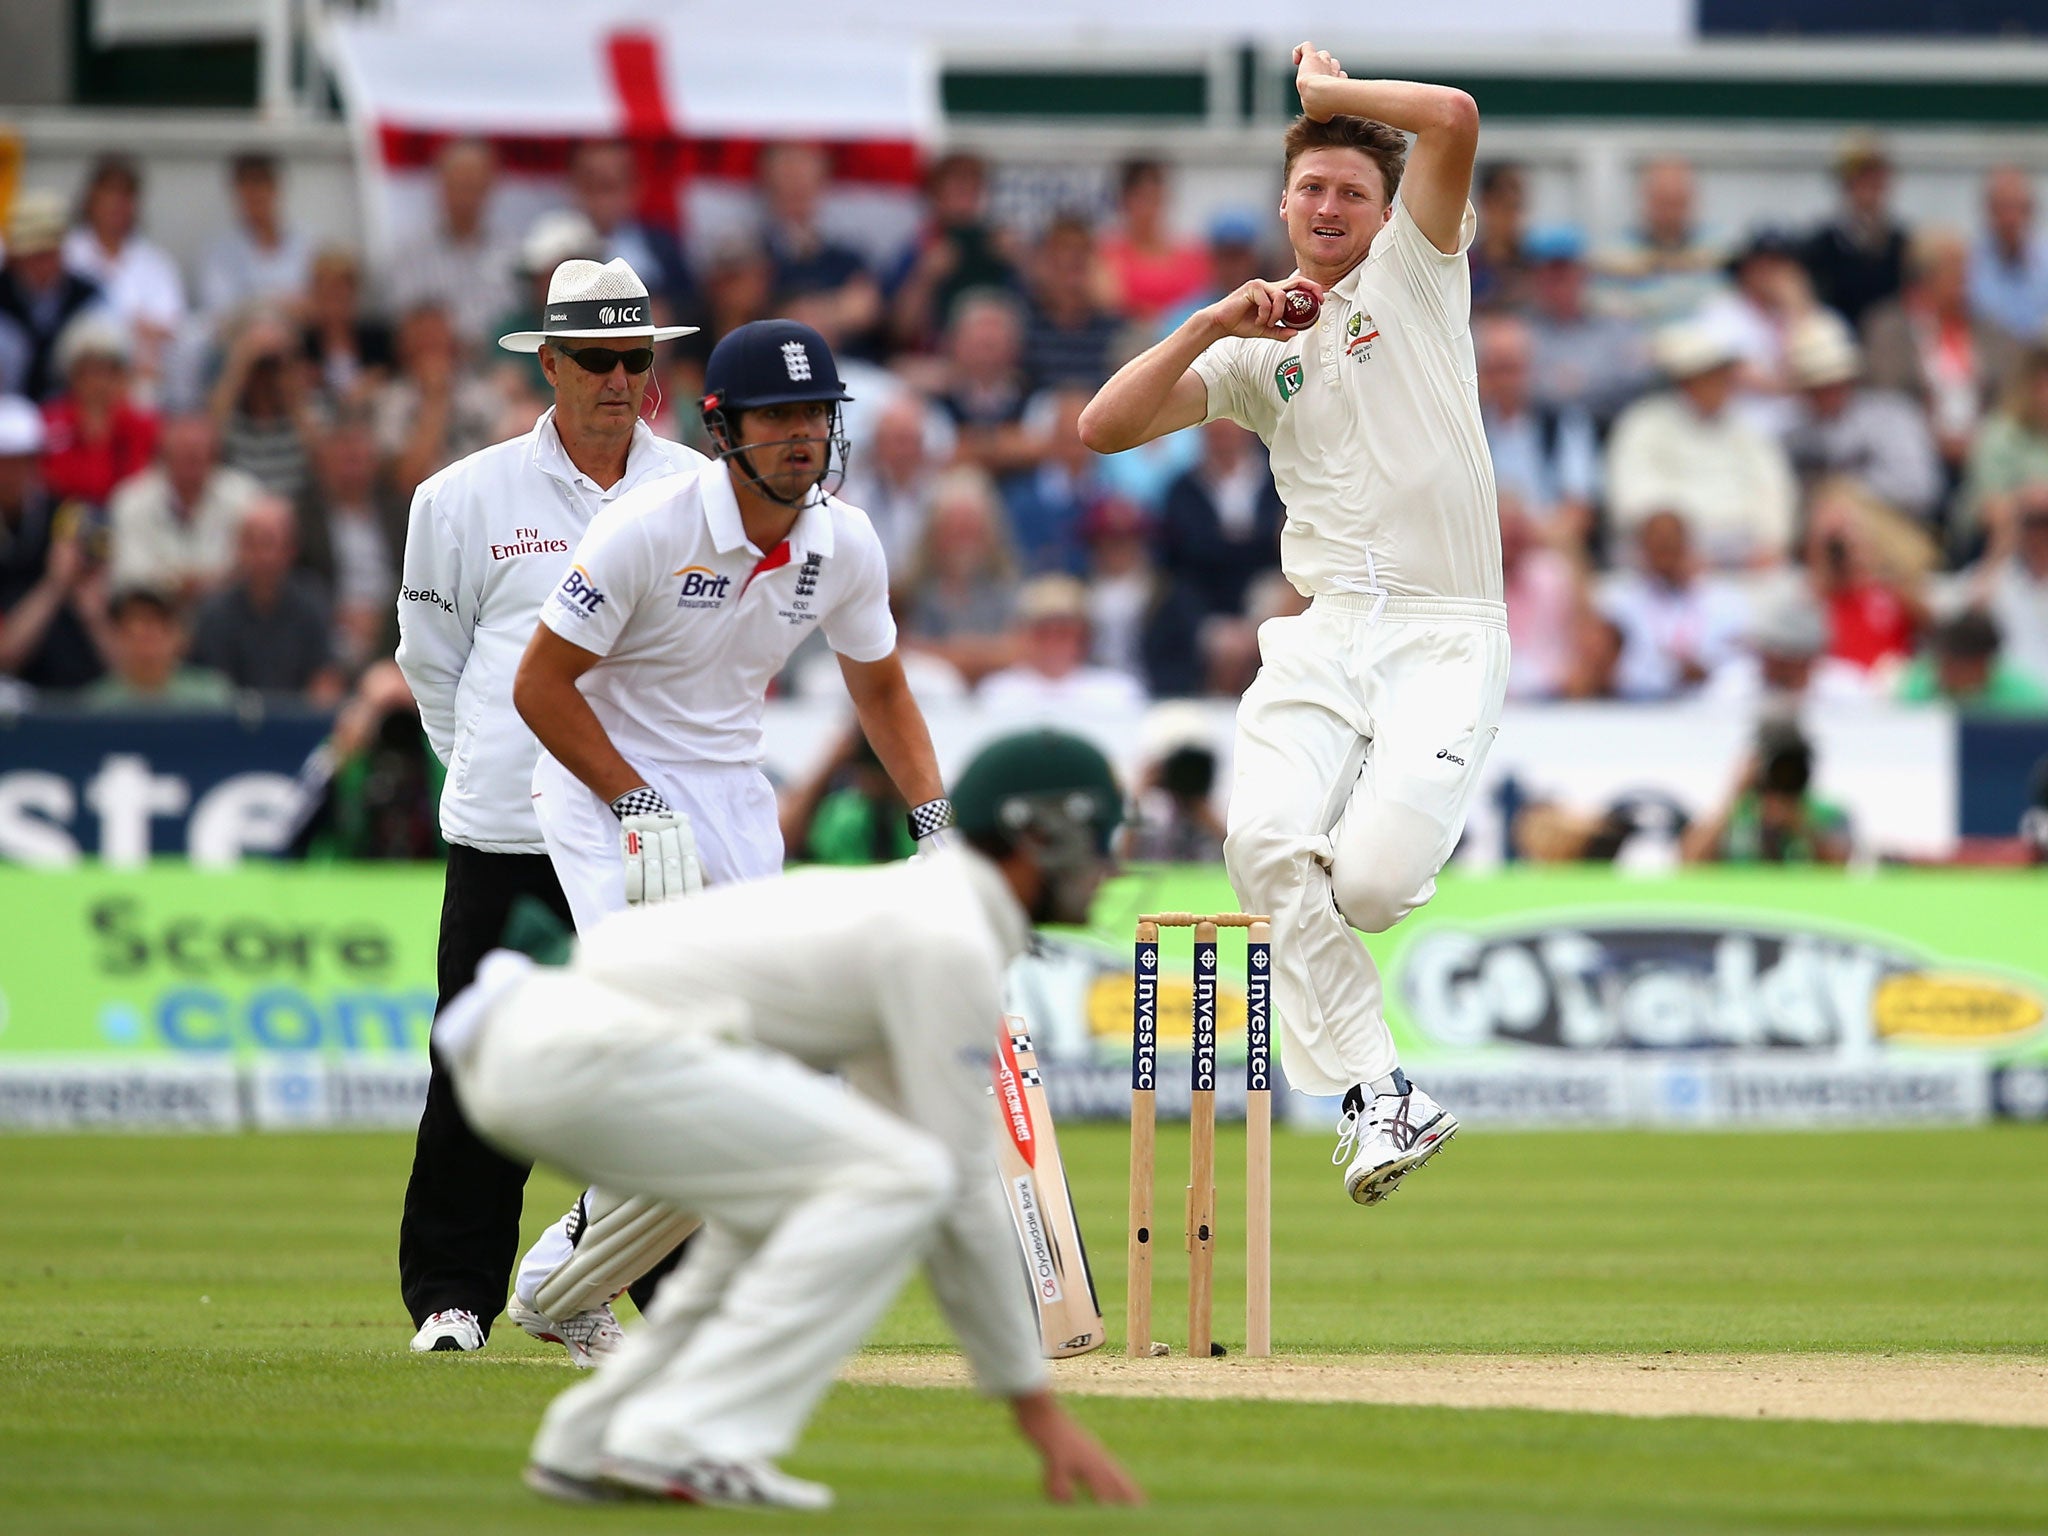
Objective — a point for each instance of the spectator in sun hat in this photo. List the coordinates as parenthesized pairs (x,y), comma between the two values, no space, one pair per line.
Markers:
(1053,677)
(98,436)
(1878,438)
(1784,660)
(1688,450)
(553,238)
(38,298)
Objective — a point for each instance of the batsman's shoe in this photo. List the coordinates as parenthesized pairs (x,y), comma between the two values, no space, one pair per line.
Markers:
(454,1329)
(758,1484)
(588,1336)
(1389,1138)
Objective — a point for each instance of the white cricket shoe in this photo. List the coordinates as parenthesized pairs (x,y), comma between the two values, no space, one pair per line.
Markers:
(1389,1138)
(568,1488)
(455,1329)
(588,1336)
(758,1484)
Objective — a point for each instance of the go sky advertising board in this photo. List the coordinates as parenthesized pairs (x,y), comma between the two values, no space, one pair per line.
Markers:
(303,995)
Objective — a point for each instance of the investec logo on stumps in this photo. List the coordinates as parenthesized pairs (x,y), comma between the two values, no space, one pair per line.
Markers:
(1258,994)
(1202,1075)
(1145,1013)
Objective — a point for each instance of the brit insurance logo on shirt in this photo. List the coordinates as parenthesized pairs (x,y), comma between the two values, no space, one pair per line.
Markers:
(580,593)
(702,587)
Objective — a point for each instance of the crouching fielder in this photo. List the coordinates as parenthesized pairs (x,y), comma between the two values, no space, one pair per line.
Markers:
(682,1056)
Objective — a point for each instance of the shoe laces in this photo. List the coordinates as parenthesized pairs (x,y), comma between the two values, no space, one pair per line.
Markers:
(1348,1127)
(453,1315)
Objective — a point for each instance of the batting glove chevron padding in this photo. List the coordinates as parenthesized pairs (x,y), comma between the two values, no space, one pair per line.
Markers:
(660,855)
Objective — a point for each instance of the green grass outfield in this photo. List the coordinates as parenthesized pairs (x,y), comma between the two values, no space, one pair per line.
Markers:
(203,1335)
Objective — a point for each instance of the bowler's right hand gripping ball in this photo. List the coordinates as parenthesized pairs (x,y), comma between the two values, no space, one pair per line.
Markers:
(1301,309)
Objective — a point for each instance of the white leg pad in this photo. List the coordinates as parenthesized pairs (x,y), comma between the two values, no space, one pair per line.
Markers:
(613,1242)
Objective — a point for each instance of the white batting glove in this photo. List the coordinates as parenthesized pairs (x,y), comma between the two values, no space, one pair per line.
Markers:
(658,849)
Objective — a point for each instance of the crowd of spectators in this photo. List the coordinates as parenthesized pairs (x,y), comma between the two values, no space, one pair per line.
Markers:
(1754,465)
(1797,464)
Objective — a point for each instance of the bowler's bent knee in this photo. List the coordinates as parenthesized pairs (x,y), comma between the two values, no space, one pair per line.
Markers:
(1385,865)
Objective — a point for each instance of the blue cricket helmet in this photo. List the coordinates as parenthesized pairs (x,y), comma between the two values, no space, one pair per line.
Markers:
(770,362)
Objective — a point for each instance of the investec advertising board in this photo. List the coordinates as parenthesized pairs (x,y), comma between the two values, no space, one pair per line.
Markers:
(288,996)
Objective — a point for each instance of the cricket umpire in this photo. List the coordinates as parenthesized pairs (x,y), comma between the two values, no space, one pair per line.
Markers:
(490,537)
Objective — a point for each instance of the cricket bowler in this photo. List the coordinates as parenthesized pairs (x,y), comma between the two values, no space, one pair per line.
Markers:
(686,1056)
(1361,740)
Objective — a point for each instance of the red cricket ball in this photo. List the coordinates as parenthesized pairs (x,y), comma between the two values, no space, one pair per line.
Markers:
(1301,309)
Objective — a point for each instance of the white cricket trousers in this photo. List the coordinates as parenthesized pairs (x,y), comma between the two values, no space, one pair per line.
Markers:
(817,1202)
(1358,747)
(732,812)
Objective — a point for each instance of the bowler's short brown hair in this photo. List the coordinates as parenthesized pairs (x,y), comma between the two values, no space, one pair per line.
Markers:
(1384,145)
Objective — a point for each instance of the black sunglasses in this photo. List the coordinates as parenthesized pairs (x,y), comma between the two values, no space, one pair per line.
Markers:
(604,359)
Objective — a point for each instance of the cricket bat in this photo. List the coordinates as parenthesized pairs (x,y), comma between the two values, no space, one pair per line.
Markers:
(1041,1204)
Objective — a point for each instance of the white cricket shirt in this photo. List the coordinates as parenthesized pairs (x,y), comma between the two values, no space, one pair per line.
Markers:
(489,538)
(693,621)
(1372,417)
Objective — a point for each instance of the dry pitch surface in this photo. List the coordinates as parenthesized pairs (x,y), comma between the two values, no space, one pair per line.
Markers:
(1951,1389)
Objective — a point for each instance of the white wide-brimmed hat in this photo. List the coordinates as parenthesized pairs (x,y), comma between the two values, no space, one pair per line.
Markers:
(588,301)
(1689,348)
(1821,351)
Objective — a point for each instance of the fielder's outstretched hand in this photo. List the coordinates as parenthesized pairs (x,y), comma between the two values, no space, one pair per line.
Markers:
(1071,1456)
(660,854)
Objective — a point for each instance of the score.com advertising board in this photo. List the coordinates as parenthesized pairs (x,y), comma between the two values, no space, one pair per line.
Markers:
(279,995)
(266,994)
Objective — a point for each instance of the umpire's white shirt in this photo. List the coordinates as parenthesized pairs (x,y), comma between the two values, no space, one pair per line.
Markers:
(489,538)
(693,621)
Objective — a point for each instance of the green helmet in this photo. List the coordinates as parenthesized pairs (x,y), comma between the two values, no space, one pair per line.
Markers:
(1039,782)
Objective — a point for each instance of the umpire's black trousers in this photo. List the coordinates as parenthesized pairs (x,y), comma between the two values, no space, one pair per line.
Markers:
(459,1236)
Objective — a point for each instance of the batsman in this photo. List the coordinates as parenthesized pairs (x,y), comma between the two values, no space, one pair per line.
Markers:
(644,684)
(1361,740)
